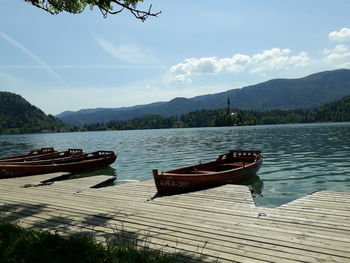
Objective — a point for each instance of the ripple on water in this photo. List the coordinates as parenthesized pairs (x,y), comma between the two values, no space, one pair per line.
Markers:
(298,159)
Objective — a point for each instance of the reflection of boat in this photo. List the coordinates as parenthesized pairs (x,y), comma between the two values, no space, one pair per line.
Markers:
(75,163)
(235,166)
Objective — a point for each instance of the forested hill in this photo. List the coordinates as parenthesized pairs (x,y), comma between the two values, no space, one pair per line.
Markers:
(18,116)
(303,93)
(336,111)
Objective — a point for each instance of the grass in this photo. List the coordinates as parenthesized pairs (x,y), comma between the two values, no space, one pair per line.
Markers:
(19,245)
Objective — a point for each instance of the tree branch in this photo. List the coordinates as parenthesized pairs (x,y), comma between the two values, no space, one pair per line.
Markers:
(139,14)
(105,7)
(36,4)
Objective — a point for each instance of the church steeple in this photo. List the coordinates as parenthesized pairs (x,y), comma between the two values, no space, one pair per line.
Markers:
(228,109)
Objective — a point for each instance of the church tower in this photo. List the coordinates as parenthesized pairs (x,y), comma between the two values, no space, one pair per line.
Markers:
(228,108)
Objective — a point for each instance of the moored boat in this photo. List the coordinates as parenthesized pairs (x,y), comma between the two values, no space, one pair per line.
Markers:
(45,157)
(72,164)
(233,167)
(48,152)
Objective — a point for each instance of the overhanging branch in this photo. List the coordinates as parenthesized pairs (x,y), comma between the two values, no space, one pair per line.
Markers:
(105,7)
(139,14)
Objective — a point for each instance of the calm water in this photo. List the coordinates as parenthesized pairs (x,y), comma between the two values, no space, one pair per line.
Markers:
(298,159)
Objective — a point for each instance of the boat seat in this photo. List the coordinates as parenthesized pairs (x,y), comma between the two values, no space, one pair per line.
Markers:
(237,164)
(202,172)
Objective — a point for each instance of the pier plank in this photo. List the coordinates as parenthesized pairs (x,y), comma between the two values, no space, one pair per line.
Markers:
(215,225)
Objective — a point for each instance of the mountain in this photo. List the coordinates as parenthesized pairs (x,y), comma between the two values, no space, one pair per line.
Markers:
(308,92)
(18,116)
(335,111)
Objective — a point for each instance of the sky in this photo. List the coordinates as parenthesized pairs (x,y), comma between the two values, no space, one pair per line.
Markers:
(71,62)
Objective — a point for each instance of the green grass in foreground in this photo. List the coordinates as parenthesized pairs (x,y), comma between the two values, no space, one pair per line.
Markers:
(19,245)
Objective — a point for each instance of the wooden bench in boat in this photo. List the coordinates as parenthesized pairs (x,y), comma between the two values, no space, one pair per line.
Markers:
(225,166)
(237,164)
(202,172)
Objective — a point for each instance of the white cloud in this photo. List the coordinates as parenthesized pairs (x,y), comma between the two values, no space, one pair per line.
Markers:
(192,66)
(272,59)
(237,63)
(182,78)
(342,35)
(128,53)
(300,60)
(271,53)
(337,49)
(337,56)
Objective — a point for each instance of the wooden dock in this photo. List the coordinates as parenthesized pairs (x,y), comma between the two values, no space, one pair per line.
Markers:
(217,225)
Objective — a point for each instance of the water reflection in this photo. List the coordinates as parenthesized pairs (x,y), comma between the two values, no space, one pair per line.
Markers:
(256,186)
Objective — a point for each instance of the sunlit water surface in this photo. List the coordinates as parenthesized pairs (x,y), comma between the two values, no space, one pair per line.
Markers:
(298,159)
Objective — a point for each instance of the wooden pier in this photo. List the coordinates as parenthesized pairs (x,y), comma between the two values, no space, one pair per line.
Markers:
(217,225)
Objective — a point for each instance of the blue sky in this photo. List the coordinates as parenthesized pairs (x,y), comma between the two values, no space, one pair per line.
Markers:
(71,62)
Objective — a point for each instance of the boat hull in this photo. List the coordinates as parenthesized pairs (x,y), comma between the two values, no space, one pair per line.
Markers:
(168,183)
(95,161)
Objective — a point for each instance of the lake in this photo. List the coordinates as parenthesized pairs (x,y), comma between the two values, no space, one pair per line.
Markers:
(298,159)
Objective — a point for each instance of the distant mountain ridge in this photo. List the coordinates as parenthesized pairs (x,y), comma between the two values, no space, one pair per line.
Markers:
(18,116)
(307,92)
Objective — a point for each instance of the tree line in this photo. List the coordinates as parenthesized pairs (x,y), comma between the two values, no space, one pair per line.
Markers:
(19,116)
(337,111)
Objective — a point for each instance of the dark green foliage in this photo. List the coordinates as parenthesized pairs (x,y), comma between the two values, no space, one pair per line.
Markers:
(19,116)
(19,245)
(237,118)
(203,118)
(105,6)
(282,116)
(78,6)
(336,111)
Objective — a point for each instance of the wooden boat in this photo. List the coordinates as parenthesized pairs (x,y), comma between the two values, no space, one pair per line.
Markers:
(73,164)
(34,154)
(233,167)
(42,157)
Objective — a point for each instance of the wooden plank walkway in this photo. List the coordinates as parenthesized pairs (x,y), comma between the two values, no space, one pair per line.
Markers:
(217,225)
